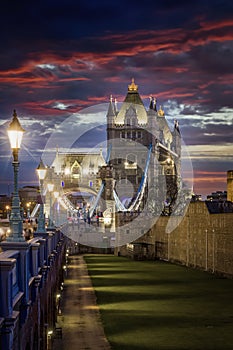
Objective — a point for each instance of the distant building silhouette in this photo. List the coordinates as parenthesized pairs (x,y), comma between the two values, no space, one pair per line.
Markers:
(217,196)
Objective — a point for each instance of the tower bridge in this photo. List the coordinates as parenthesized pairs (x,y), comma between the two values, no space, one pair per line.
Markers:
(141,173)
(143,157)
(106,203)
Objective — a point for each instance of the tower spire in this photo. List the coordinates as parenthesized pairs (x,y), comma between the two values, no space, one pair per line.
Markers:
(151,102)
(132,86)
(176,125)
(115,103)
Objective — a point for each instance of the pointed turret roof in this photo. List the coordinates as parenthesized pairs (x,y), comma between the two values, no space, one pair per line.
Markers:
(111,109)
(133,95)
(132,99)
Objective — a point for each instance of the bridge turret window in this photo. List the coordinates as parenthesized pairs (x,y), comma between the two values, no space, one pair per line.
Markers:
(76,170)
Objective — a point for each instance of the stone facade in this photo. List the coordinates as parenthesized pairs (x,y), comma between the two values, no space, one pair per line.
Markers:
(78,170)
(137,138)
(203,239)
(230,185)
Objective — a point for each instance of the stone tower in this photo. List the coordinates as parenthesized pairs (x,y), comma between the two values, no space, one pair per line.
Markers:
(137,138)
(230,185)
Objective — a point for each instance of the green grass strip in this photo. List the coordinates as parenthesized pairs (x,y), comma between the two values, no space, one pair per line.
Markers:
(161,306)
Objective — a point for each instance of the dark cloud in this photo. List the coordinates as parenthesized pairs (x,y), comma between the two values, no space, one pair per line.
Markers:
(213,135)
(214,59)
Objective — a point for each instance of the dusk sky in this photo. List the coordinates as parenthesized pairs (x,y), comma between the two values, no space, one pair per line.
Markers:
(58,57)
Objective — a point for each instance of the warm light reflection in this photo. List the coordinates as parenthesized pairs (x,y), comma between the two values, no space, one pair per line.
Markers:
(56,194)
(67,171)
(86,288)
(91,307)
(50,187)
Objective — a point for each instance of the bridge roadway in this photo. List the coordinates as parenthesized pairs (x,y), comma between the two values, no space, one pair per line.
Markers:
(80,318)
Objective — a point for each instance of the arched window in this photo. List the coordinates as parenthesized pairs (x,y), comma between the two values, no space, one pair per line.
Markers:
(131,161)
(76,170)
(131,158)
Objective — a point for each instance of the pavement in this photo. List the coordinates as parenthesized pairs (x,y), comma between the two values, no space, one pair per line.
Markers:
(79,320)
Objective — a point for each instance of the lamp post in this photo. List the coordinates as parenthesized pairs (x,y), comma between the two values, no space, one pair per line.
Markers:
(206,250)
(213,269)
(15,134)
(56,195)
(41,172)
(50,188)
(7,211)
(28,210)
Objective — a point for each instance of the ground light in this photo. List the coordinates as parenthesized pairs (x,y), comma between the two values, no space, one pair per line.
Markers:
(49,340)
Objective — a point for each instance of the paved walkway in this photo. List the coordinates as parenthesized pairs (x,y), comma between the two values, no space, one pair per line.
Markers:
(80,320)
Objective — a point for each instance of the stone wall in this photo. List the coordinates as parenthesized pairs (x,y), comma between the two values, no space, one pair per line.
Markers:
(201,240)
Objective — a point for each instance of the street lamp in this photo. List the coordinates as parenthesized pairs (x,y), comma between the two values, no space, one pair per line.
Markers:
(50,188)
(49,339)
(28,209)
(41,172)
(56,195)
(7,211)
(15,134)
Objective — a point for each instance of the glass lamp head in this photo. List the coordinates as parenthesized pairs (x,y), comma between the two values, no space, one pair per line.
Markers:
(15,132)
(41,171)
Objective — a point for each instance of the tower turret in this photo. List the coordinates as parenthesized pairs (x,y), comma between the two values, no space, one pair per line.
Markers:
(111,115)
(111,111)
(132,105)
(230,185)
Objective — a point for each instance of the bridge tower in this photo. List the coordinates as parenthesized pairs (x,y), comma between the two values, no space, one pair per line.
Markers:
(137,136)
(107,177)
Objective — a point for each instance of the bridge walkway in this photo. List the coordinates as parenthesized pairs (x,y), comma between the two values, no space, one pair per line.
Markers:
(80,318)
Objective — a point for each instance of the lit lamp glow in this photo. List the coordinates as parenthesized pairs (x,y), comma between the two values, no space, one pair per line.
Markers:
(107,221)
(56,194)
(169,161)
(28,209)
(107,215)
(50,187)
(49,339)
(7,211)
(41,172)
(15,134)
